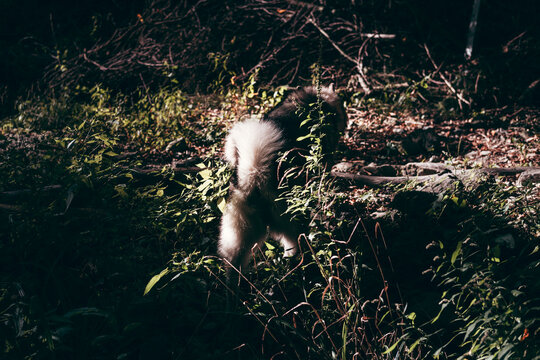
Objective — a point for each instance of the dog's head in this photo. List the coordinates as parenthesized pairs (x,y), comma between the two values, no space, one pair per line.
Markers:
(300,104)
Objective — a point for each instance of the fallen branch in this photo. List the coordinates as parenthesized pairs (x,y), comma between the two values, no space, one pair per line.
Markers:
(177,166)
(390,86)
(175,142)
(371,180)
(10,208)
(378,36)
(359,66)
(439,172)
(15,193)
(528,93)
(157,169)
(448,84)
(99,66)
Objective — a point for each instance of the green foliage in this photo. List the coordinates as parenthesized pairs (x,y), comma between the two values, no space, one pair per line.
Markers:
(86,221)
(490,281)
(485,269)
(315,305)
(109,258)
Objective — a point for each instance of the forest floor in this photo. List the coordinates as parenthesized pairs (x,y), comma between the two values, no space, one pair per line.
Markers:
(102,201)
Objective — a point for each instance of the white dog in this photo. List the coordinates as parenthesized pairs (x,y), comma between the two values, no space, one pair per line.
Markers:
(252,147)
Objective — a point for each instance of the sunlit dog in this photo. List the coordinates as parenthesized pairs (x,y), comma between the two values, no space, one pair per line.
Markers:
(252,147)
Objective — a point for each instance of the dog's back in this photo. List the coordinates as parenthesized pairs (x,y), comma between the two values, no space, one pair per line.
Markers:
(251,147)
(296,105)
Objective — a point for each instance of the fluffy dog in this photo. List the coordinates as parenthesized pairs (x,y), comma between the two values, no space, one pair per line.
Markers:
(252,147)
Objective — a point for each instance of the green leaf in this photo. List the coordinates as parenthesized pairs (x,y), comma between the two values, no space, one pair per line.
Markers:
(391,348)
(456,252)
(305,122)
(154,280)
(221,204)
(205,174)
(415,344)
(301,138)
(344,331)
(440,312)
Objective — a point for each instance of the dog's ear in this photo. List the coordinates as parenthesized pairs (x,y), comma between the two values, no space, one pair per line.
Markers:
(331,87)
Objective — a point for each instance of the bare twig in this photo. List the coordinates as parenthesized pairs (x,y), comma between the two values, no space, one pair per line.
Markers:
(306,4)
(359,66)
(448,84)
(506,46)
(379,36)
(99,66)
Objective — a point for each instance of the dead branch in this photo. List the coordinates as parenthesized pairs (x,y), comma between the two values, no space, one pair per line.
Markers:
(171,40)
(99,66)
(460,97)
(528,93)
(439,172)
(156,170)
(359,66)
(150,171)
(10,208)
(390,86)
(306,4)
(16,193)
(371,180)
(378,36)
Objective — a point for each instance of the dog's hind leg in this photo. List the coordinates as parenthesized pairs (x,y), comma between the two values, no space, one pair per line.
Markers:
(289,242)
(242,228)
(282,230)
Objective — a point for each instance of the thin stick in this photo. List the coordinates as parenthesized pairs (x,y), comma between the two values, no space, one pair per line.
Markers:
(359,66)
(458,95)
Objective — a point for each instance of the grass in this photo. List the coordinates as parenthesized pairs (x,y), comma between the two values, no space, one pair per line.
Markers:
(108,247)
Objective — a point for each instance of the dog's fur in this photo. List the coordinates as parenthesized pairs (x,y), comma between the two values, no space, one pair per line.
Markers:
(252,148)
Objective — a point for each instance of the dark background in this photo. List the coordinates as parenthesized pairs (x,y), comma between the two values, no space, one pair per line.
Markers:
(34,33)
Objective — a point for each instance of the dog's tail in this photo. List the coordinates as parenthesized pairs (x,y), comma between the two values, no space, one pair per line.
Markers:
(252,147)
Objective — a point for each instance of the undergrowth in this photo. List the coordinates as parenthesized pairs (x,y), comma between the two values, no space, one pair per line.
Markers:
(110,210)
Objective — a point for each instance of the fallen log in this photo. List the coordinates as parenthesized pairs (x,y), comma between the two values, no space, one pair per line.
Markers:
(17,193)
(435,176)
(373,180)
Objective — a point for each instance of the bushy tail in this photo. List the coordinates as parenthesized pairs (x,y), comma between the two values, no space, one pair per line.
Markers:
(252,148)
